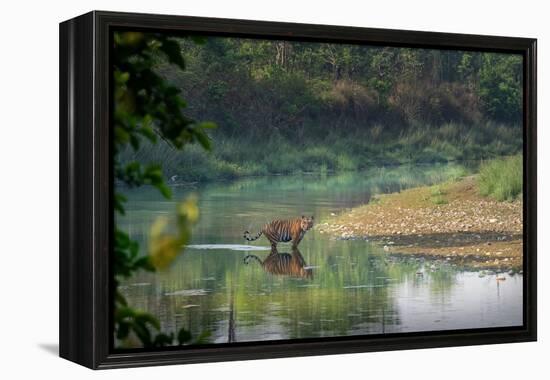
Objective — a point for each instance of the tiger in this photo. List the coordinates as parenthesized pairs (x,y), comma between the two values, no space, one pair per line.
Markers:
(287,264)
(284,231)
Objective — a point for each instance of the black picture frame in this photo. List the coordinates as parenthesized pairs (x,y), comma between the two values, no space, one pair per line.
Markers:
(86,188)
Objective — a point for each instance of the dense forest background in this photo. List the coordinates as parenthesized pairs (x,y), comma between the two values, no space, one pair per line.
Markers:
(283,107)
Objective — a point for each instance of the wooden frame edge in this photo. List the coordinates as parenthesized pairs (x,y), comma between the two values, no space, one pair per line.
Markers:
(85,199)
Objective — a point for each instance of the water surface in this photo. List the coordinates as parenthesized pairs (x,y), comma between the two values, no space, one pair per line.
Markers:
(336,287)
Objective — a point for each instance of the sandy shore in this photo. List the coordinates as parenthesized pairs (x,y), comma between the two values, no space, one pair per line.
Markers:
(450,221)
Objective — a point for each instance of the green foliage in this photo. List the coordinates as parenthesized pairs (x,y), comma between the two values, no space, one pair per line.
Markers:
(147,329)
(144,101)
(258,85)
(501,86)
(439,200)
(502,179)
(126,256)
(135,174)
(437,195)
(436,191)
(243,156)
(147,108)
(288,107)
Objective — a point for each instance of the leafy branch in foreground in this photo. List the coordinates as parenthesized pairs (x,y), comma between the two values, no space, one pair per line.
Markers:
(148,107)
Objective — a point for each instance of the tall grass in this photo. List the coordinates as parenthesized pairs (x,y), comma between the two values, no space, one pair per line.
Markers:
(502,179)
(335,150)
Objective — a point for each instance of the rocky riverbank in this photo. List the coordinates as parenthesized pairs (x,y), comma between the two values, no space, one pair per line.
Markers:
(449,221)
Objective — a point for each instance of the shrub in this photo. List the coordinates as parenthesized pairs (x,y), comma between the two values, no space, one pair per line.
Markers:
(345,163)
(502,179)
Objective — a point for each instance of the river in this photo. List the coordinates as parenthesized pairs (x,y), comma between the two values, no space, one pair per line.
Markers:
(335,287)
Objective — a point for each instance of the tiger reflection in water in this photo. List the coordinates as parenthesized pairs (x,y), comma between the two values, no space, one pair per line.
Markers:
(288,264)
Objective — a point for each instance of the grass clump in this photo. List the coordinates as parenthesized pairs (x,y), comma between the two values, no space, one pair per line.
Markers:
(437,195)
(502,179)
(439,200)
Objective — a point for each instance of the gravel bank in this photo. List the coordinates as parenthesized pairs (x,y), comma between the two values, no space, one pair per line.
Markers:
(449,220)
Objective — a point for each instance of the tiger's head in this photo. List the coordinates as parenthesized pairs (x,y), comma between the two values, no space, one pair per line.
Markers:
(306,223)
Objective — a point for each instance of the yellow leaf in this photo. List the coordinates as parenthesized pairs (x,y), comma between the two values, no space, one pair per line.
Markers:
(189,208)
(158,226)
(163,250)
(164,247)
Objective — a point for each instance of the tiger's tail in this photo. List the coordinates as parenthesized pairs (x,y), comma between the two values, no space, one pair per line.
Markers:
(249,238)
(248,257)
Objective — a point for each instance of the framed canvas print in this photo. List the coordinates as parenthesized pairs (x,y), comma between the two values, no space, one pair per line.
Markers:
(236,189)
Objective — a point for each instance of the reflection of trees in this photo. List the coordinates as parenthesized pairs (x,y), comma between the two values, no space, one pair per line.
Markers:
(441,284)
(348,293)
(231,329)
(434,279)
(371,181)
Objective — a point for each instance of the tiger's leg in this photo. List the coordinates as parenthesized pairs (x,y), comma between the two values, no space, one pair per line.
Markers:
(271,235)
(273,243)
(297,236)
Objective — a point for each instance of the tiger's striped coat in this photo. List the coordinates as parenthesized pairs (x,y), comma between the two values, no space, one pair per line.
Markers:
(284,231)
